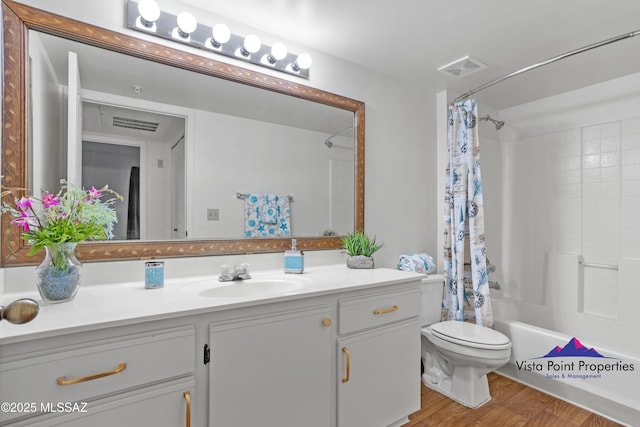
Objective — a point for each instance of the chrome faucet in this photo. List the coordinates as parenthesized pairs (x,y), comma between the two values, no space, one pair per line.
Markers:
(230,273)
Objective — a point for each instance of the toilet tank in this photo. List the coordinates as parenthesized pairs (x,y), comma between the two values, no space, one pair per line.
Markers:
(432,292)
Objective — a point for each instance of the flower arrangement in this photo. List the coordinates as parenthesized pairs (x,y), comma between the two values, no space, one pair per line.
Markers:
(70,216)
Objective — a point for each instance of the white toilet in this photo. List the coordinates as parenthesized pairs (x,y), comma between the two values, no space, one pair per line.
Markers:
(457,356)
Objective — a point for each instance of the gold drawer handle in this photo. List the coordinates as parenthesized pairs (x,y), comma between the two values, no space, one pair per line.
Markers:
(64,381)
(187,397)
(386,310)
(347,364)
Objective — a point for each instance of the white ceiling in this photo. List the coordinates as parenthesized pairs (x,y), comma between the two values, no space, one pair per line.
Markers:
(410,39)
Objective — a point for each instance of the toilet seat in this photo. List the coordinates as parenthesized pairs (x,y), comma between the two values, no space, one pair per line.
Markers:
(470,335)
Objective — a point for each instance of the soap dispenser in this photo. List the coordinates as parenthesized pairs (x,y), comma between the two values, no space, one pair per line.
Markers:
(293,259)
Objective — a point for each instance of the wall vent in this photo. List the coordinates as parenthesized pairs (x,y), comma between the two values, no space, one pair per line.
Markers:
(462,67)
(124,122)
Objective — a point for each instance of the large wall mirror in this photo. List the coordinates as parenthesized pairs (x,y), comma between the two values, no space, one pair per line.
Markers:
(182,137)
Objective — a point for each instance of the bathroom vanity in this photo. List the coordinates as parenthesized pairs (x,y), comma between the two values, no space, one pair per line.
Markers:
(331,347)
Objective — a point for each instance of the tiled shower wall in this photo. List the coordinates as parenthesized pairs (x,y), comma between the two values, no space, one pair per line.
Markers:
(572,195)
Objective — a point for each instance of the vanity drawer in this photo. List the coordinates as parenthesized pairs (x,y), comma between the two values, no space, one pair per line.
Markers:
(87,370)
(379,309)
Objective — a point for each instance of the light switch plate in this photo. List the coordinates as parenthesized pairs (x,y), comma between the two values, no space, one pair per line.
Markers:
(213,214)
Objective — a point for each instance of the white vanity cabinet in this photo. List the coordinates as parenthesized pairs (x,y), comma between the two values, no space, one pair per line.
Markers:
(272,369)
(141,378)
(344,351)
(378,354)
(280,367)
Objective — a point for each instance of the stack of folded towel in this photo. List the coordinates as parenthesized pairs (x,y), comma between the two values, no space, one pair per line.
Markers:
(418,263)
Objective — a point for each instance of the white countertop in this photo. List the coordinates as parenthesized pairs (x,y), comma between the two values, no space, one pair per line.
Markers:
(100,306)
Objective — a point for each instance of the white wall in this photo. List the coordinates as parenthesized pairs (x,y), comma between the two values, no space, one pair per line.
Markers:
(400,160)
(572,180)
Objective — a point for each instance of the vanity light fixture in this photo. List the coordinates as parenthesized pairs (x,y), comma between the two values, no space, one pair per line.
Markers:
(145,16)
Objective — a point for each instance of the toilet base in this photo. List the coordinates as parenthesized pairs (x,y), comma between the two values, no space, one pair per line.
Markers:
(465,387)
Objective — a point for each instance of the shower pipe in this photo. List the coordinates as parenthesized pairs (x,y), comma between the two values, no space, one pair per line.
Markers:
(468,94)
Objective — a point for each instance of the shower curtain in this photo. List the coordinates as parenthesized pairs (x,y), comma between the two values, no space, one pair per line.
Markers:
(133,211)
(467,291)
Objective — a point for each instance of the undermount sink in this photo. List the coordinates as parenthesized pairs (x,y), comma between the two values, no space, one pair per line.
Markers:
(255,287)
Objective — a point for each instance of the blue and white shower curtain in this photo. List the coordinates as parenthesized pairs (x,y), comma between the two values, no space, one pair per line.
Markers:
(467,283)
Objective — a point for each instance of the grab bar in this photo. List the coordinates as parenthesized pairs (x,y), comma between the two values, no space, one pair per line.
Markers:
(594,265)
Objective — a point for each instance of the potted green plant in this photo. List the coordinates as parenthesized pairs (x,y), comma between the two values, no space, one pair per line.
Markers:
(360,248)
(57,223)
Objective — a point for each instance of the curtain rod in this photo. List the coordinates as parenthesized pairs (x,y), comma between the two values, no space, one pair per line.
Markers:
(468,94)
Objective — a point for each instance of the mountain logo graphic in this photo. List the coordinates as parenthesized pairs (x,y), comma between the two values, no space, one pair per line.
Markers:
(574,348)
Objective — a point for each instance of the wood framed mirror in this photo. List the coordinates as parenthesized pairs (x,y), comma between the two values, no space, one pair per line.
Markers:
(20,19)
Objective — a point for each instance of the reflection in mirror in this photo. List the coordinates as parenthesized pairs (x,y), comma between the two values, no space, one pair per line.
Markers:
(179,145)
(40,146)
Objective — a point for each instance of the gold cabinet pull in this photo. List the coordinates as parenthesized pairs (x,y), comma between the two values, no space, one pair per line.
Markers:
(386,310)
(347,364)
(64,381)
(326,321)
(187,397)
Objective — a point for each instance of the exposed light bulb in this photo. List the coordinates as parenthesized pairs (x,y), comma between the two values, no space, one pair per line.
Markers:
(187,24)
(303,62)
(149,12)
(251,44)
(146,16)
(278,52)
(220,34)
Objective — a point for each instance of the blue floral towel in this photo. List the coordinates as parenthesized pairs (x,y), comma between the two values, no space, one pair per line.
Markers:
(419,263)
(266,215)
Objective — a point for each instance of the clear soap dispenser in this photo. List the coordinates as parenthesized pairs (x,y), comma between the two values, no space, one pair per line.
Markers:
(293,259)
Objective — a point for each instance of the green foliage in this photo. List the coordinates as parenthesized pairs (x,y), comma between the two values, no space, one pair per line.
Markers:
(359,243)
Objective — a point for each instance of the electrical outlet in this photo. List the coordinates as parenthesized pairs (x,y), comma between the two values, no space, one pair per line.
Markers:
(213,214)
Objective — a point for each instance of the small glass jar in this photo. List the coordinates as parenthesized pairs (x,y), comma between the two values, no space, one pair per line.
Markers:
(153,274)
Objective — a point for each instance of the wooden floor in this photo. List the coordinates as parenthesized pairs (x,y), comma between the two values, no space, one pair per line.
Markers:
(512,405)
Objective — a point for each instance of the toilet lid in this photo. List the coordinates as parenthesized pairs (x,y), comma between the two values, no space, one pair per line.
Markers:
(469,334)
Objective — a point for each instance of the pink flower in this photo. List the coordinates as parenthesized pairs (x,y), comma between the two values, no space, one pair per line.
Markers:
(94,194)
(23,222)
(50,200)
(24,204)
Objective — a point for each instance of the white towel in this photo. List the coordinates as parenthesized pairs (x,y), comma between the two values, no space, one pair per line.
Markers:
(418,263)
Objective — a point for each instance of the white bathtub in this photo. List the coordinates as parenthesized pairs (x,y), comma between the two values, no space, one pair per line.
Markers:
(611,393)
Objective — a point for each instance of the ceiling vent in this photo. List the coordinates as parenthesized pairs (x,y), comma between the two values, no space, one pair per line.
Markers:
(462,67)
(124,122)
